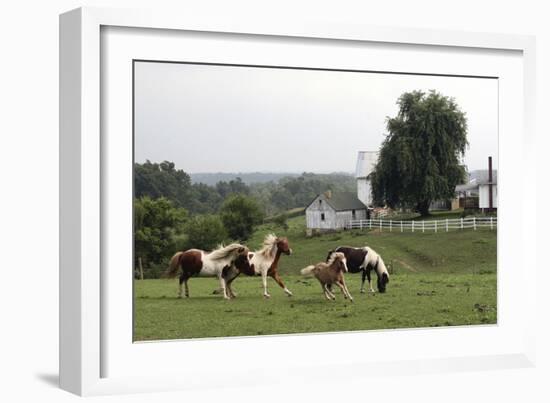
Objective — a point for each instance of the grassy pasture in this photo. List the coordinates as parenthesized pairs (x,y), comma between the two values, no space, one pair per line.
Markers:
(441,279)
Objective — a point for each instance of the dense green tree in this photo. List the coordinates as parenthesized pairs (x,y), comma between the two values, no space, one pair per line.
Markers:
(282,199)
(203,199)
(205,232)
(162,180)
(156,223)
(234,186)
(420,159)
(240,214)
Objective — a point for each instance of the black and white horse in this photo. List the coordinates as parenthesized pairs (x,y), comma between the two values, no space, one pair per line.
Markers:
(365,260)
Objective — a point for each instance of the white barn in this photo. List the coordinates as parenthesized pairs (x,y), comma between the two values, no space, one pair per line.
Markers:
(366,160)
(330,211)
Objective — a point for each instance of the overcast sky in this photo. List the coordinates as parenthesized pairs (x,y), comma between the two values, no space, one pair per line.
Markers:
(247,119)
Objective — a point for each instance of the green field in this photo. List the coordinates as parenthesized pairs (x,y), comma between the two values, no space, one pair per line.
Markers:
(442,279)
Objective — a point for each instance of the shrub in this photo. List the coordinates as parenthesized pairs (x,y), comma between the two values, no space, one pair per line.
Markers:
(240,215)
(156,222)
(280,220)
(205,232)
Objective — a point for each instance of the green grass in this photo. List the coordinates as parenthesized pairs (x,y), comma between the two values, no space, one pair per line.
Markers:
(441,279)
(412,300)
(456,251)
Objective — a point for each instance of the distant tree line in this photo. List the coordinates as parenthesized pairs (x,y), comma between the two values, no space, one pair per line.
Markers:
(164,180)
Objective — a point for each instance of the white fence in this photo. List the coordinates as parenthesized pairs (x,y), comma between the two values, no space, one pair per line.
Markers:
(423,226)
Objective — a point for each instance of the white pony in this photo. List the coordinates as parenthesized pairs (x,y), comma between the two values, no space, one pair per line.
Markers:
(374,261)
(265,263)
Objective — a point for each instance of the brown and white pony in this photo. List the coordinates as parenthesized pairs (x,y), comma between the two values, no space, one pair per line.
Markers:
(218,263)
(265,263)
(331,272)
(365,260)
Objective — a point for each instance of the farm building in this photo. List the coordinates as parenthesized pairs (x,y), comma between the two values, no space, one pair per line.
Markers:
(366,160)
(483,185)
(330,211)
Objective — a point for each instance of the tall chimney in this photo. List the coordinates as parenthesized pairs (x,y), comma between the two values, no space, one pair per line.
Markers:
(328,194)
(490,183)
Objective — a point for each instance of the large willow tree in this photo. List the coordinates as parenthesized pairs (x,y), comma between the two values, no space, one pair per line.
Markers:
(420,159)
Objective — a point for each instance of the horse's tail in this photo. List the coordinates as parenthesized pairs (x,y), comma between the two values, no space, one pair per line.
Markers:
(307,271)
(174,266)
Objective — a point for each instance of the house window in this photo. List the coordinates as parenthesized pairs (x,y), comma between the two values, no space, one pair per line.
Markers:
(322,216)
(320,202)
(353,213)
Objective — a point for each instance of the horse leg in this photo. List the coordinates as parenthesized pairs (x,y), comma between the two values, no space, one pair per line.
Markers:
(186,288)
(229,291)
(223,287)
(329,294)
(344,289)
(229,277)
(183,279)
(228,282)
(363,276)
(264,282)
(339,284)
(325,291)
(277,278)
(368,271)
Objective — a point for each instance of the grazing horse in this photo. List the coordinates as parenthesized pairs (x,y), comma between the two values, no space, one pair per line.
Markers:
(365,260)
(265,263)
(219,263)
(331,272)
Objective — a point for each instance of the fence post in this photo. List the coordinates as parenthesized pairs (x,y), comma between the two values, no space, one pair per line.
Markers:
(435,226)
(446,225)
(140,268)
(413,226)
(491,218)
(461,223)
(361,224)
(370,223)
(401,226)
(380,225)
(474,223)
(423,226)
(391,225)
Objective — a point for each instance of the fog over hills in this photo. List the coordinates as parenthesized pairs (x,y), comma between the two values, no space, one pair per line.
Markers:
(211,178)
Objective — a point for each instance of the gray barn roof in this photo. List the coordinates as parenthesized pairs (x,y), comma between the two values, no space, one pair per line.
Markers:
(481,176)
(477,178)
(341,201)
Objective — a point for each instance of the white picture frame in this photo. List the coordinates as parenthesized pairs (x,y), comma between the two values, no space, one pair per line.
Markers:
(86,346)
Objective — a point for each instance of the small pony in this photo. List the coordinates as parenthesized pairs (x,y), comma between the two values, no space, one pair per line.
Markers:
(331,272)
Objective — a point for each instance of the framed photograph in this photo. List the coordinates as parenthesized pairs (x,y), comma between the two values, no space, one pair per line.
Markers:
(253,192)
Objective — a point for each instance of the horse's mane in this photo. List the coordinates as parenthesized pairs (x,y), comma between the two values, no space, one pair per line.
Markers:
(334,256)
(223,252)
(269,247)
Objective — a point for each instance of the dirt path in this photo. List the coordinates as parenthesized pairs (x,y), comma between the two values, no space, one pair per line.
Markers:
(406,265)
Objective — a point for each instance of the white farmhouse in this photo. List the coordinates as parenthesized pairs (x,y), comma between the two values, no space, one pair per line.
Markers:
(481,184)
(366,160)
